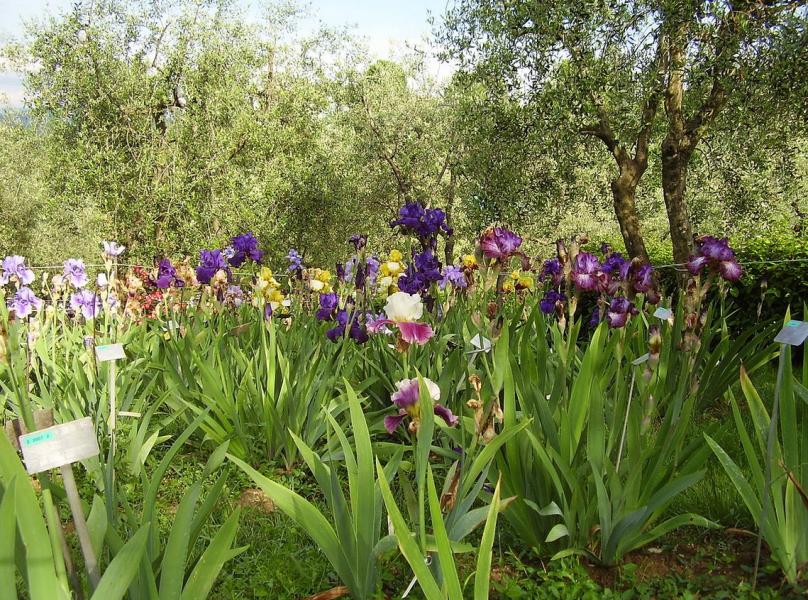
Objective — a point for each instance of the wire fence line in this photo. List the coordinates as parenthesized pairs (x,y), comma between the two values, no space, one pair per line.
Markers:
(678,266)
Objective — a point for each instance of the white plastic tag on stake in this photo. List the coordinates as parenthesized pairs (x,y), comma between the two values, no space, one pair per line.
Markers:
(663,313)
(109,352)
(794,333)
(640,359)
(59,445)
(480,343)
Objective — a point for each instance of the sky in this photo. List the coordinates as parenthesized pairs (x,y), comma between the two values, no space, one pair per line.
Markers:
(386,25)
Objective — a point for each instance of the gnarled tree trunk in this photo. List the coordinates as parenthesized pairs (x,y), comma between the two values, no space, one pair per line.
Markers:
(624,189)
(675,160)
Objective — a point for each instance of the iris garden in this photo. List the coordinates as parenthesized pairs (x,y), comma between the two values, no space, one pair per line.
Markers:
(443,416)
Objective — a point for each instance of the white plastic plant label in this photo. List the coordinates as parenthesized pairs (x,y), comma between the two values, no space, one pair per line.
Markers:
(663,313)
(640,359)
(59,445)
(109,352)
(794,333)
(480,343)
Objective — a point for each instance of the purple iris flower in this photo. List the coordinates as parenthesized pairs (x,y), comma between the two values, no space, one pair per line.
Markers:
(75,272)
(14,266)
(643,279)
(715,249)
(295,260)
(499,243)
(89,303)
(553,270)
(167,275)
(412,281)
(407,398)
(616,266)
(373,268)
(328,305)
(619,310)
(357,331)
(25,302)
(210,261)
(696,264)
(424,223)
(730,270)
(549,301)
(245,246)
(595,319)
(584,272)
(235,295)
(454,275)
(427,263)
(717,256)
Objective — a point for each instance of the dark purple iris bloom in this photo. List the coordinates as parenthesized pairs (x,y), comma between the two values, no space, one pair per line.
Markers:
(267,311)
(357,331)
(552,270)
(715,249)
(412,281)
(295,260)
(360,277)
(409,217)
(427,263)
(594,321)
(619,310)
(643,279)
(210,261)
(454,275)
(358,241)
(549,301)
(424,223)
(167,275)
(435,221)
(717,256)
(245,246)
(585,270)
(328,305)
(614,262)
(341,272)
(499,243)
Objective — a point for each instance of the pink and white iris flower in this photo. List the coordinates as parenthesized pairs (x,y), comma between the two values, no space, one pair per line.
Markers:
(404,310)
